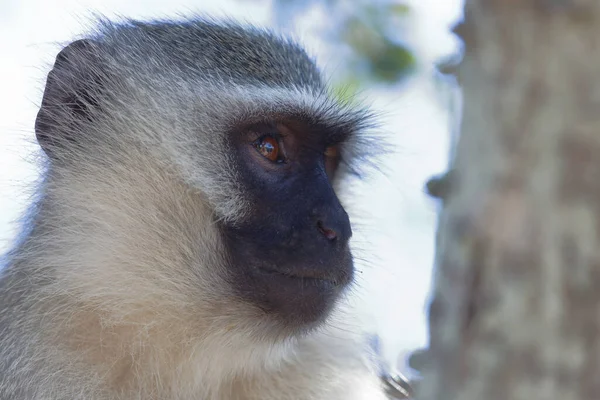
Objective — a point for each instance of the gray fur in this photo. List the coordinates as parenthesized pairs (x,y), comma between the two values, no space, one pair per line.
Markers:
(116,289)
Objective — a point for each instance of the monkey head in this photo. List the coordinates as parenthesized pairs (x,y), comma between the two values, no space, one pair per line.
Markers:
(195,164)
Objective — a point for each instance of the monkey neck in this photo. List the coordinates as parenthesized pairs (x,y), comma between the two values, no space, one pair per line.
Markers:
(150,344)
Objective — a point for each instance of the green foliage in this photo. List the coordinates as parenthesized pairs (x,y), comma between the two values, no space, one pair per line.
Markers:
(345,90)
(371,33)
(392,62)
(368,34)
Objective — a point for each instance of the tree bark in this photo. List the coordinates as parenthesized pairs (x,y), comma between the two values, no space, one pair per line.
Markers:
(516,309)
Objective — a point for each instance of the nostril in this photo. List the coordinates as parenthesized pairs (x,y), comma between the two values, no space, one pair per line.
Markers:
(328,233)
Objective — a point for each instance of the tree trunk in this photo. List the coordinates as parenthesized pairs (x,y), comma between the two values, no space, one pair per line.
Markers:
(516,312)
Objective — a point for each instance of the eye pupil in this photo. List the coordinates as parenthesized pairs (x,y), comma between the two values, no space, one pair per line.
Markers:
(269,148)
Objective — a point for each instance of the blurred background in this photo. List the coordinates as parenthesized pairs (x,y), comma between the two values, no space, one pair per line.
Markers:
(385,52)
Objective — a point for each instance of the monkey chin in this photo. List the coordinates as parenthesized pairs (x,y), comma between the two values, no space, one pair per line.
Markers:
(295,297)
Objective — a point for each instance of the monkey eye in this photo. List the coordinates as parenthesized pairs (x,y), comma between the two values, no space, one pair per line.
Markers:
(332,160)
(269,147)
(331,152)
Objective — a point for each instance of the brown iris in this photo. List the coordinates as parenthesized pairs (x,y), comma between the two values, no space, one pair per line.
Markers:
(332,160)
(331,152)
(268,147)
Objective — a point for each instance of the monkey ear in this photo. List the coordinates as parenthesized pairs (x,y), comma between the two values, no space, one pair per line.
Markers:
(71,92)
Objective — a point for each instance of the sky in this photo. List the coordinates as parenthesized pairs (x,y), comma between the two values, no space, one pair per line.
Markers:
(395,233)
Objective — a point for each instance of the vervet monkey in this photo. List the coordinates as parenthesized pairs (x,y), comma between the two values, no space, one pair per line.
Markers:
(186,242)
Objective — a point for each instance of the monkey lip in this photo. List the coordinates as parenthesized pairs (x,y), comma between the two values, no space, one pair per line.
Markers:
(307,276)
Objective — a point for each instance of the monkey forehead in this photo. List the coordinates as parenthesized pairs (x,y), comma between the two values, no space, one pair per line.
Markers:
(208,49)
(198,66)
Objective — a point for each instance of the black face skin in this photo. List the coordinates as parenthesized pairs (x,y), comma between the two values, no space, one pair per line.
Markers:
(291,257)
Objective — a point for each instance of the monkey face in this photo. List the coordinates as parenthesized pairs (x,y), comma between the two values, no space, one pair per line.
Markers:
(208,174)
(291,256)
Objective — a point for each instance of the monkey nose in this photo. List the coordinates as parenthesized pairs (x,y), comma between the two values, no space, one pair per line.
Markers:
(334,226)
(330,234)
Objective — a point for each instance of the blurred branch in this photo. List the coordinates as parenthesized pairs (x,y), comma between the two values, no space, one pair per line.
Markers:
(517,290)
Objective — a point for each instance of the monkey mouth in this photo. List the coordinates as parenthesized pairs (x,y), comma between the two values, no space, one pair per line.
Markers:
(296,289)
(302,297)
(298,297)
(309,277)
